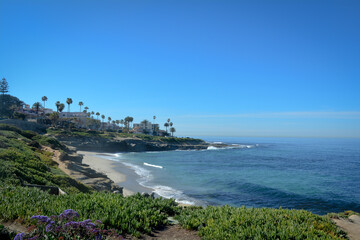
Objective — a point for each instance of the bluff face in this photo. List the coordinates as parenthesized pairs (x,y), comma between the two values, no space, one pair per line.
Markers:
(113,145)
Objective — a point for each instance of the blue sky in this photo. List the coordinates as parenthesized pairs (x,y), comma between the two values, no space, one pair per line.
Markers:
(215,68)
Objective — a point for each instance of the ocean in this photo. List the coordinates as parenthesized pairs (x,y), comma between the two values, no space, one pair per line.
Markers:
(320,175)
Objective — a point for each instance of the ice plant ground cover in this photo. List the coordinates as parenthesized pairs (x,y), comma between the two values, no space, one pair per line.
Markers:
(64,226)
(227,222)
(128,215)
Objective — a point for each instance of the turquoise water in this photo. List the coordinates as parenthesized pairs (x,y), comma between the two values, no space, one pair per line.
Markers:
(319,175)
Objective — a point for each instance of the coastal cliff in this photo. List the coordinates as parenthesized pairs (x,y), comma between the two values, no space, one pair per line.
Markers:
(114,142)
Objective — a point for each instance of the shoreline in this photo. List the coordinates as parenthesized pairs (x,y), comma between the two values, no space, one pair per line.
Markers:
(120,174)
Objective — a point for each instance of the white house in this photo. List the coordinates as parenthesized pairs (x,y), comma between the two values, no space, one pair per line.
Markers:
(73,115)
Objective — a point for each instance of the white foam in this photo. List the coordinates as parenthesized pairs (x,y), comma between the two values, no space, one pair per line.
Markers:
(145,175)
(169,192)
(213,148)
(152,165)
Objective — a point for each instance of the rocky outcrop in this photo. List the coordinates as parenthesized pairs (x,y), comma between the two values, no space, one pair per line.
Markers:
(128,144)
(71,163)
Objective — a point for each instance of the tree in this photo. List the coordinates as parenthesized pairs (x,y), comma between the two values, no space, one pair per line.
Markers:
(172,130)
(4,86)
(69,101)
(103,117)
(9,105)
(57,104)
(86,108)
(166,125)
(61,107)
(44,99)
(37,106)
(128,120)
(80,104)
(168,120)
(97,115)
(54,117)
(92,114)
(109,121)
(122,122)
(153,126)
(170,124)
(117,122)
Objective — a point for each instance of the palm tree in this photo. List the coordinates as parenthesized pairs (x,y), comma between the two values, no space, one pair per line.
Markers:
(171,124)
(69,101)
(61,107)
(122,121)
(102,117)
(44,99)
(153,126)
(109,120)
(128,120)
(37,106)
(92,114)
(86,108)
(57,104)
(172,130)
(131,119)
(80,104)
(166,125)
(168,120)
(118,123)
(97,115)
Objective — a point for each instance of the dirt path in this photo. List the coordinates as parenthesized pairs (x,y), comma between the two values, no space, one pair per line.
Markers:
(351,226)
(173,232)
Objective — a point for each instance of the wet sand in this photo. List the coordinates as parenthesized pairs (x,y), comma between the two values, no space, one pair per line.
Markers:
(116,171)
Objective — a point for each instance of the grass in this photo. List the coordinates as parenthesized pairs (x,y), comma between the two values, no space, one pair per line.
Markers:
(227,222)
(22,160)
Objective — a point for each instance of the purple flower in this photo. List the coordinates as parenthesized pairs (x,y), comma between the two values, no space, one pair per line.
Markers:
(49,226)
(19,236)
(72,224)
(98,222)
(68,214)
(41,219)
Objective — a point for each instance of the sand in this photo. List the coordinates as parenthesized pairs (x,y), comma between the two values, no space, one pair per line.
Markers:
(116,171)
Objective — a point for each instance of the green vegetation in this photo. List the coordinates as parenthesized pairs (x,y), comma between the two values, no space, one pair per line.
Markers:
(132,215)
(227,222)
(22,160)
(113,135)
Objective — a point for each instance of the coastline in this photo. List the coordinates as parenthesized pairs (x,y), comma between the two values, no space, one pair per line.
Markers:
(119,173)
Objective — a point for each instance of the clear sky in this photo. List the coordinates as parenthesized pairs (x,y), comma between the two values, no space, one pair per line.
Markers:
(216,68)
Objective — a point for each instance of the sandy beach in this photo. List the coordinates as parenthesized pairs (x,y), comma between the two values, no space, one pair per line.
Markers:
(122,176)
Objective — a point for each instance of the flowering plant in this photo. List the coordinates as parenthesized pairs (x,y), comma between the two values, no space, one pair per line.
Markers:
(64,227)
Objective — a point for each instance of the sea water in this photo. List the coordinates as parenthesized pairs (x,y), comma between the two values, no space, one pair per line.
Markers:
(317,174)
